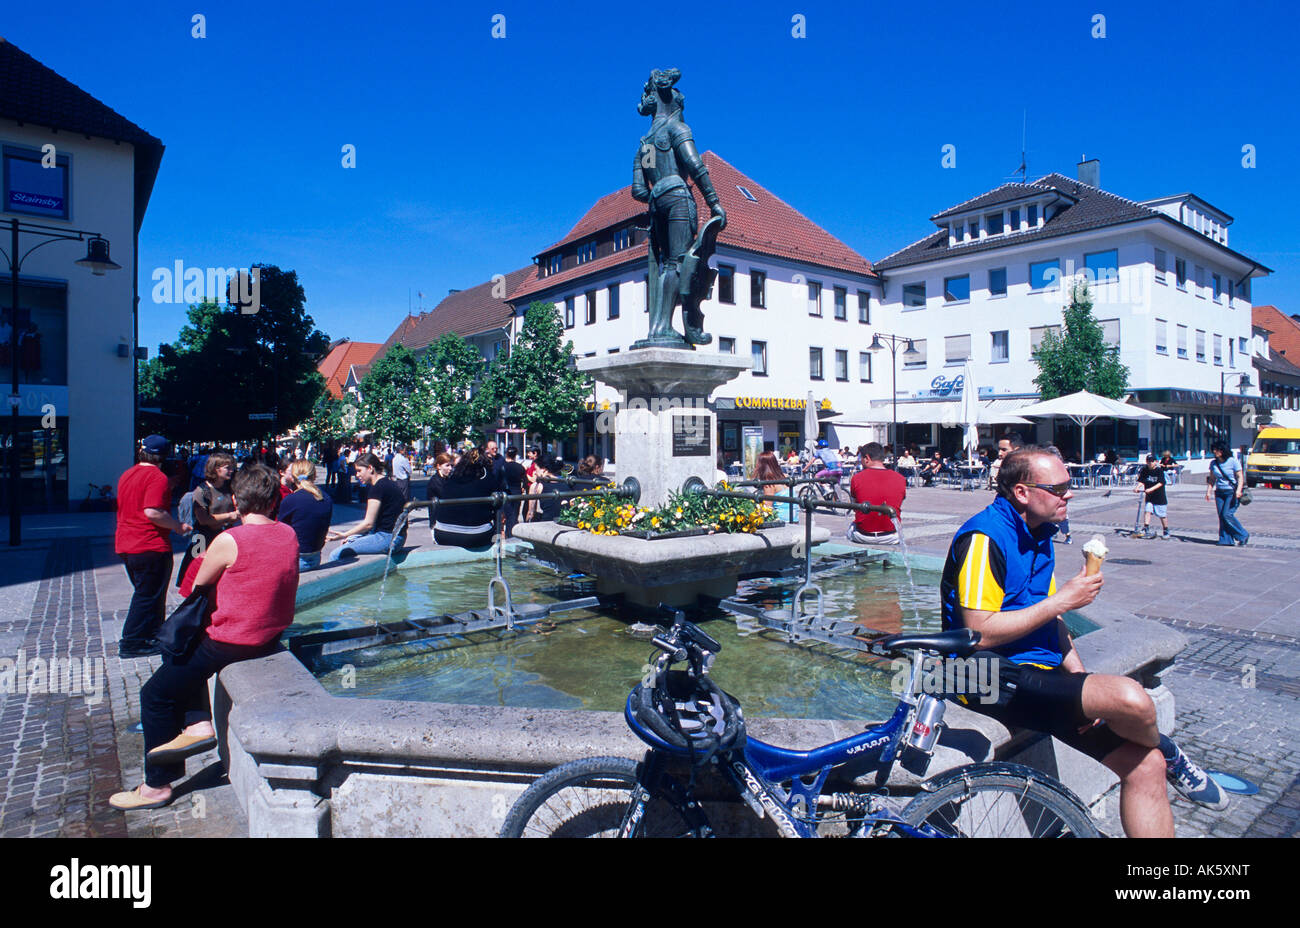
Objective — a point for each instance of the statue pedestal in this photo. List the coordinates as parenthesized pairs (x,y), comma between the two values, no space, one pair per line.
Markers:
(666,432)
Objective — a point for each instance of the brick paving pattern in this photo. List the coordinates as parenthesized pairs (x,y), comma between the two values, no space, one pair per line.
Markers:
(59,750)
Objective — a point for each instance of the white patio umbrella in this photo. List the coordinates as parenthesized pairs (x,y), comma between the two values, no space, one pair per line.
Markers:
(810,424)
(1082,408)
(970,410)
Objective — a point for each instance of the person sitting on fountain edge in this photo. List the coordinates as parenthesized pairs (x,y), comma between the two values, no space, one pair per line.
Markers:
(878,485)
(998,580)
(384,527)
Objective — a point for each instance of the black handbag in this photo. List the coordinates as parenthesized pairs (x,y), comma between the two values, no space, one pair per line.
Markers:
(179,635)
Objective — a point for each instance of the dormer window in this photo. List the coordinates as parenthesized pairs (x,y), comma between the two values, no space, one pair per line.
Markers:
(587,252)
(622,238)
(993,222)
(1015,220)
(1032,214)
(551,265)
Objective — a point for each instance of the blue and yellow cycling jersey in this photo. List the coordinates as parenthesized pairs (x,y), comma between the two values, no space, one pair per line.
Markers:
(996,564)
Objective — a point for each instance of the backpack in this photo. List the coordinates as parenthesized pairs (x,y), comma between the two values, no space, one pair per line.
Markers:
(185,508)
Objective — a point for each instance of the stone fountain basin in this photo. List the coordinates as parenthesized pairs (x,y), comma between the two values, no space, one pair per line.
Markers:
(668,570)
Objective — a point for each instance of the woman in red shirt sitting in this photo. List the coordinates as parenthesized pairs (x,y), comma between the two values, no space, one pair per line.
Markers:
(254,567)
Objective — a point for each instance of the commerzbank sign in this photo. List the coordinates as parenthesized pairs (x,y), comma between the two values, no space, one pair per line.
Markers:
(768,402)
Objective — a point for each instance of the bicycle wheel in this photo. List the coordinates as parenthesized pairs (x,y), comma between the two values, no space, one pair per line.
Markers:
(1001,801)
(587,799)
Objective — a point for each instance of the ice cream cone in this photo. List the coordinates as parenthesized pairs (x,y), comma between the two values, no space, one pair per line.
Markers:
(1094,554)
(1092,563)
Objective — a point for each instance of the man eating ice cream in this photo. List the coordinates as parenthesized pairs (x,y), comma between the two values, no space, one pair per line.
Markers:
(999,580)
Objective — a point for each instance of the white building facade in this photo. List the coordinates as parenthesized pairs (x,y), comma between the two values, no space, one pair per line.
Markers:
(1168,291)
(70,163)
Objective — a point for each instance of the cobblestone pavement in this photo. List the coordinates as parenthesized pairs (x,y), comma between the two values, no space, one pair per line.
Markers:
(1237,684)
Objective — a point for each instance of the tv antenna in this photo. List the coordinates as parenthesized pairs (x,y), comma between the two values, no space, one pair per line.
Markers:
(1022,172)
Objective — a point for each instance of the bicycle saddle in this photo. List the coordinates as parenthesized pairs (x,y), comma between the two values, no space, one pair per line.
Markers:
(960,641)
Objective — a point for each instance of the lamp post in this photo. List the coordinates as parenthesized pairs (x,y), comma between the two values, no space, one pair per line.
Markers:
(1242,386)
(98,261)
(909,351)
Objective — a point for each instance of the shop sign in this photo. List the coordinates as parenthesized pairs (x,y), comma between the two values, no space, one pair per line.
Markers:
(773,402)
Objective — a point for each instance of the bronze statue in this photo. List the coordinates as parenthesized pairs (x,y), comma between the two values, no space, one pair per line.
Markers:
(666,163)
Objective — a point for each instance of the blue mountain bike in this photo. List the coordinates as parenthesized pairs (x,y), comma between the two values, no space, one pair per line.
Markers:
(694,728)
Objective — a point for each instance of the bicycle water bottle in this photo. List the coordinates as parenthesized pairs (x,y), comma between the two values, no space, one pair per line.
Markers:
(929,719)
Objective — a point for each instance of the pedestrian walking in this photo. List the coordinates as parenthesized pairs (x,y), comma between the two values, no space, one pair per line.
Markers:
(142,539)
(1225,484)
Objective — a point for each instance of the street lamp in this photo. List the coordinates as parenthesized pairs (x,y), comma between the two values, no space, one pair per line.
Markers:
(908,352)
(1242,385)
(98,261)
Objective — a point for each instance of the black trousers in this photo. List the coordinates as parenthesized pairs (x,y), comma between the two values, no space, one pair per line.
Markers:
(149,572)
(176,697)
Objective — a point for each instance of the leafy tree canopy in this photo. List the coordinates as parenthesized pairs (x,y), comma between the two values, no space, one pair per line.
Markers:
(226,364)
(392,396)
(1079,358)
(452,408)
(538,383)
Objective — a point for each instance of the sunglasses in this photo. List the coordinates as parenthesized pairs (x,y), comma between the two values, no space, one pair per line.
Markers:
(1056,489)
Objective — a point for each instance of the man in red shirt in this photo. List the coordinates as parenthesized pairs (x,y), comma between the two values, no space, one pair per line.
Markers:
(143,541)
(878,485)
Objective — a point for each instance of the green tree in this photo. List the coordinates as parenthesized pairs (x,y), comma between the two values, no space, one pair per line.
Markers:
(451,407)
(325,423)
(226,364)
(1079,358)
(537,382)
(392,401)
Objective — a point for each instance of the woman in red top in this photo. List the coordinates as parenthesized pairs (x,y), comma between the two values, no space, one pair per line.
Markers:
(254,567)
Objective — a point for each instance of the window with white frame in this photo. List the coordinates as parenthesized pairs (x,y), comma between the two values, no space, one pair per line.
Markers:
(1162,336)
(814,298)
(1216,284)
(1109,332)
(1218,350)
(1015,220)
(1102,266)
(914,296)
(758,352)
(1039,332)
(841,303)
(1045,275)
(726,345)
(815,363)
(1161,262)
(956,349)
(998,281)
(993,222)
(1200,345)
(1182,341)
(841,364)
(956,289)
(1200,281)
(1001,347)
(864,366)
(864,307)
(1180,273)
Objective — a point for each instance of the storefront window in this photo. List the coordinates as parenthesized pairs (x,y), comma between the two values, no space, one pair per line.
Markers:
(43,457)
(42,332)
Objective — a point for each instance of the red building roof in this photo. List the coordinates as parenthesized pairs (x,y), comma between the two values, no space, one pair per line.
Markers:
(334,366)
(466,312)
(765,225)
(1284,332)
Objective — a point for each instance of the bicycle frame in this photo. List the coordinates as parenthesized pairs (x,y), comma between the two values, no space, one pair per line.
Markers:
(756,773)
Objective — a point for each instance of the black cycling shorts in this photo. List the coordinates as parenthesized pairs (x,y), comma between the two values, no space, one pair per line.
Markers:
(1050,701)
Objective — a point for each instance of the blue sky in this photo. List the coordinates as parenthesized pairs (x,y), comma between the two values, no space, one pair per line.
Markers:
(474,153)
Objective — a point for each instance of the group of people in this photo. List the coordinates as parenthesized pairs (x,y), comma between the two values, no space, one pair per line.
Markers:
(998,580)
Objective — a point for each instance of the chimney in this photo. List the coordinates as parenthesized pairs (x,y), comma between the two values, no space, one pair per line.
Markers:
(1090,172)
(452,292)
